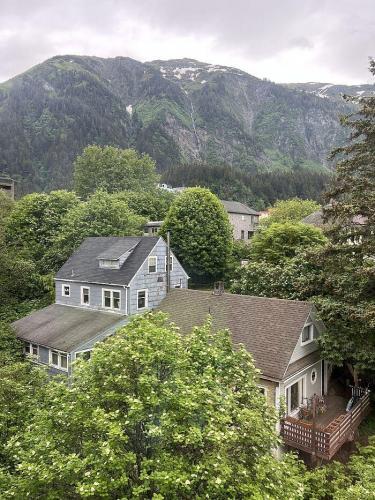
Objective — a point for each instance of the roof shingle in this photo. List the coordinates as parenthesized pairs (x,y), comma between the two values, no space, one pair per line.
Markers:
(235,207)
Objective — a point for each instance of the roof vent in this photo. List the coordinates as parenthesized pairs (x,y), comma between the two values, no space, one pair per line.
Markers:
(218,288)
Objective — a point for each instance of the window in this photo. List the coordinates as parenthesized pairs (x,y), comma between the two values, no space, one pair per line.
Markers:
(179,285)
(242,234)
(307,334)
(154,230)
(31,349)
(109,263)
(242,217)
(85,295)
(111,299)
(152,264)
(58,360)
(263,390)
(142,299)
(295,395)
(66,290)
(250,234)
(313,375)
(85,355)
(170,263)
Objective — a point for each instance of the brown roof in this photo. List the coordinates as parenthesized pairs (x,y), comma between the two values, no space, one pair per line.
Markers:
(268,328)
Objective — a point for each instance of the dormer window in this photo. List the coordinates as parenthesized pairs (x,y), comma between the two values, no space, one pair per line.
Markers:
(307,334)
(109,263)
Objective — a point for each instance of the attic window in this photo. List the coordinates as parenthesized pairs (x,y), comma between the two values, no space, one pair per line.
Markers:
(307,334)
(109,263)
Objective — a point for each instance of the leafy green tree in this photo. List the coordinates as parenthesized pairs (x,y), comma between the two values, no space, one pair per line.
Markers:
(113,169)
(10,346)
(102,214)
(282,241)
(154,415)
(35,222)
(292,210)
(153,205)
(201,235)
(6,206)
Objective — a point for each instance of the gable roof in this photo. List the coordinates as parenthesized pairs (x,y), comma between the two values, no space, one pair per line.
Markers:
(235,207)
(268,328)
(64,327)
(316,219)
(83,265)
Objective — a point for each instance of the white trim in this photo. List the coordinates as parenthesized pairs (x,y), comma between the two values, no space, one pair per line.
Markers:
(30,354)
(156,264)
(311,339)
(286,387)
(86,304)
(111,307)
(81,352)
(146,299)
(59,354)
(264,388)
(314,370)
(300,371)
(63,285)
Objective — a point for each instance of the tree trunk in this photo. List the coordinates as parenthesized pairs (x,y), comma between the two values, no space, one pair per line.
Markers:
(354,373)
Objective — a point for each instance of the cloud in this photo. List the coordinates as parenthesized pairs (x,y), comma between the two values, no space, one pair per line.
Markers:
(286,40)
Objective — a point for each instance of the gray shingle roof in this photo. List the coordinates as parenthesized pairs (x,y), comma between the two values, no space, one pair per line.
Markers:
(83,265)
(64,327)
(235,207)
(268,328)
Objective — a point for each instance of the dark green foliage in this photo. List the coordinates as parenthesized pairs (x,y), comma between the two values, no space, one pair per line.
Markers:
(10,347)
(153,205)
(257,189)
(201,235)
(103,214)
(112,170)
(35,223)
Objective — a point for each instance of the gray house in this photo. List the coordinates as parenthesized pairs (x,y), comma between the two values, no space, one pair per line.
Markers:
(104,282)
(243,219)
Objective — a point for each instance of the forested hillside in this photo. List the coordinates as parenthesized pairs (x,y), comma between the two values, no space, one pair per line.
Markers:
(179,112)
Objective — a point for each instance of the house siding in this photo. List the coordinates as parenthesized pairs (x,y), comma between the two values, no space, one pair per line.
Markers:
(242,222)
(157,290)
(300,351)
(96,295)
(270,390)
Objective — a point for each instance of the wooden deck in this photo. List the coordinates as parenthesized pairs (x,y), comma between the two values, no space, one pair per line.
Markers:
(330,431)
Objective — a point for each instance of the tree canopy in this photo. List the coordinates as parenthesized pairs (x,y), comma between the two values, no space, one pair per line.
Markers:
(113,169)
(154,415)
(201,235)
(292,210)
(282,241)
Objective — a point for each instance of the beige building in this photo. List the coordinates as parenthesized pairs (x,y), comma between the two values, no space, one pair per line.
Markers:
(243,219)
(7,185)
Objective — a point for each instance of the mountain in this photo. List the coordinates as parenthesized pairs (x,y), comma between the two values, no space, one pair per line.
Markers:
(178,111)
(331,91)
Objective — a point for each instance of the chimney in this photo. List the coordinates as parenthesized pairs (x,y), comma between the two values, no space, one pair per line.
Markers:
(218,288)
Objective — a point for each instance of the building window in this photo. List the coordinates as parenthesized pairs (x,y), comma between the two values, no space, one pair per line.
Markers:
(111,299)
(142,299)
(154,230)
(152,264)
(250,234)
(313,375)
(295,395)
(58,360)
(31,349)
(85,295)
(179,285)
(242,234)
(170,263)
(242,217)
(85,355)
(66,290)
(307,334)
(263,390)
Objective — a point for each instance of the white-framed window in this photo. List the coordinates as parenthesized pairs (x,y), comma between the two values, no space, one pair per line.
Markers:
(111,299)
(31,349)
(263,390)
(170,263)
(58,359)
(65,290)
(179,284)
(313,375)
(142,299)
(85,295)
(152,264)
(85,355)
(295,394)
(307,334)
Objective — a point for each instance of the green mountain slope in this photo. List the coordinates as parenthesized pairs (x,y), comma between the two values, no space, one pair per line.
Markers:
(179,111)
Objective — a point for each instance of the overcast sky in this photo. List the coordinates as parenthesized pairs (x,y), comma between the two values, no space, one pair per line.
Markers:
(284,40)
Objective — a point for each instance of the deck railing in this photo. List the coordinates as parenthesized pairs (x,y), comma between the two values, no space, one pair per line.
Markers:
(325,442)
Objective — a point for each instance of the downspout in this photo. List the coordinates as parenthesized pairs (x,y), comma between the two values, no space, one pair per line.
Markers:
(168,261)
